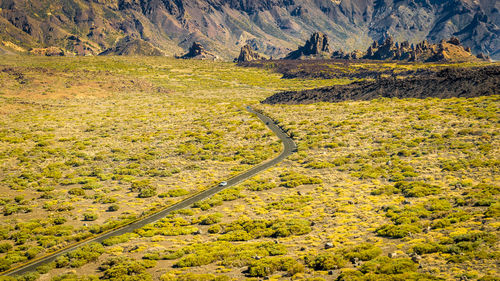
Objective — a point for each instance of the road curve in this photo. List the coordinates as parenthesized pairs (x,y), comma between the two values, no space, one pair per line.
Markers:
(289,147)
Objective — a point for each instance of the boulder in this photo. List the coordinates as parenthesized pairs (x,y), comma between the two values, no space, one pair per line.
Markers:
(197,51)
(248,54)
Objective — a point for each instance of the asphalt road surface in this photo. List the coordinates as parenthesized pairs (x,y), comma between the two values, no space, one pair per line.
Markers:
(289,147)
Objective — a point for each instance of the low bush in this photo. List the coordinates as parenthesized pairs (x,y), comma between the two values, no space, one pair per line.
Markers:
(80,256)
(363,251)
(74,277)
(209,219)
(417,189)
(126,269)
(326,261)
(386,265)
(77,191)
(242,230)
(397,231)
(229,194)
(269,265)
(223,252)
(90,216)
(194,277)
(5,247)
(294,179)
(177,192)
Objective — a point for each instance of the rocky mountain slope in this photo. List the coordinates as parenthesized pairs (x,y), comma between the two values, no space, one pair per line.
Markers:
(272,27)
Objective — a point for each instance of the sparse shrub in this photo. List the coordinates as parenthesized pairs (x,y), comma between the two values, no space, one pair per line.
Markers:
(118,239)
(437,205)
(5,247)
(214,229)
(426,248)
(123,268)
(326,261)
(493,211)
(363,251)
(417,189)
(210,219)
(76,191)
(386,265)
(177,192)
(113,208)
(194,277)
(89,216)
(258,184)
(74,277)
(147,192)
(319,165)
(269,265)
(137,186)
(80,256)
(59,220)
(294,179)
(397,231)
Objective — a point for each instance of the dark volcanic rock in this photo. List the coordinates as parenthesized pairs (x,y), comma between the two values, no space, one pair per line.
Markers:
(198,52)
(446,83)
(316,47)
(247,54)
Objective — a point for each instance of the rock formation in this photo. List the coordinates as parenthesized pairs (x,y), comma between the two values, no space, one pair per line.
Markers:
(450,50)
(196,51)
(133,47)
(316,47)
(49,52)
(248,54)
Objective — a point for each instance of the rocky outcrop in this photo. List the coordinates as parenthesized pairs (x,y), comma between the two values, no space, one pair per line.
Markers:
(49,52)
(316,47)
(196,51)
(133,47)
(248,54)
(450,50)
(354,55)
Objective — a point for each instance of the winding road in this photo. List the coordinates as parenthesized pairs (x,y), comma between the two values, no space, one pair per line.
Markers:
(289,147)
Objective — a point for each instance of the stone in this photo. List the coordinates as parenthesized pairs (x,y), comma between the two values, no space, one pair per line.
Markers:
(197,51)
(392,255)
(248,54)
(328,245)
(454,40)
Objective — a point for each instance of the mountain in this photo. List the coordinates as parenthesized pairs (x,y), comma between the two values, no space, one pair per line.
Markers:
(272,27)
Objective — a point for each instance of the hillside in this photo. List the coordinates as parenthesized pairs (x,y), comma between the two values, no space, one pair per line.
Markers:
(272,27)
